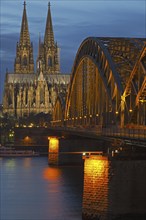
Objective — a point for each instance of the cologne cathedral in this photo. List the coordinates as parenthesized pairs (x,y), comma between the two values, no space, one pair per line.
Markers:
(26,90)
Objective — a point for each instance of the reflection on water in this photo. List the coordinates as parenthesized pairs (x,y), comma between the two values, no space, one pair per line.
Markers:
(32,190)
(51,173)
(114,189)
(27,162)
(10,164)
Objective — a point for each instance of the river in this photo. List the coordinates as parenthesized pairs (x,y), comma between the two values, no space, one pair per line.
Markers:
(32,190)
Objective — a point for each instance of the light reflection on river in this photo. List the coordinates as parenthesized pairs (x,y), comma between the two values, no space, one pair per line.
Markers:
(30,190)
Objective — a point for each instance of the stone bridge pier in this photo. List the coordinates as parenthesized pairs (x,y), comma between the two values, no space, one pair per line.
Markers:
(53,151)
(112,189)
(68,151)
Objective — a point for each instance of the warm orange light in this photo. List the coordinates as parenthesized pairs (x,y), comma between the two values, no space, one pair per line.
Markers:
(117,112)
(53,150)
(142,100)
(27,139)
(53,144)
(95,192)
(50,173)
(130,110)
(96,164)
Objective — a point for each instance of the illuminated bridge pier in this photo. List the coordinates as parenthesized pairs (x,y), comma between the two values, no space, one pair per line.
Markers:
(53,151)
(68,151)
(108,191)
(107,88)
(61,151)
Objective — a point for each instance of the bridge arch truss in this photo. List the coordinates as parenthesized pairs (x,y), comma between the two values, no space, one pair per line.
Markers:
(108,83)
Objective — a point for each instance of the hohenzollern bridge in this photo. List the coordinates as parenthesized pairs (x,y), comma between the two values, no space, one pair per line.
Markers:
(107,87)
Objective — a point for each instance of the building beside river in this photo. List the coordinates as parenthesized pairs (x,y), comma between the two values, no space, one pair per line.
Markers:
(28,91)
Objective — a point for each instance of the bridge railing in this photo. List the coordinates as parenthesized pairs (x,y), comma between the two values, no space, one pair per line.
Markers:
(112,131)
(132,133)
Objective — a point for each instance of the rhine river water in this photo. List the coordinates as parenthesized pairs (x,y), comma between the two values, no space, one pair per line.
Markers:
(31,190)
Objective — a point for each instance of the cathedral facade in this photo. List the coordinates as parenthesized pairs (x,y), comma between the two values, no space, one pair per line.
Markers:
(26,90)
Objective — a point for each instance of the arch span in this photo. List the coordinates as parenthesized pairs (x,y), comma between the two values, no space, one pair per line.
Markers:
(100,74)
(59,108)
(107,76)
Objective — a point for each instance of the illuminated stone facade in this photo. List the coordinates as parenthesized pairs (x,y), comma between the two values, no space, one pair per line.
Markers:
(112,189)
(53,151)
(28,92)
(49,52)
(95,194)
(24,62)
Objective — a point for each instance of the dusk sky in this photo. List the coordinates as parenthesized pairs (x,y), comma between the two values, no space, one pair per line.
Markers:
(73,21)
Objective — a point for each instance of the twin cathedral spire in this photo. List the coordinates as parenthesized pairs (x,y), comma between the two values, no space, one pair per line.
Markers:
(48,53)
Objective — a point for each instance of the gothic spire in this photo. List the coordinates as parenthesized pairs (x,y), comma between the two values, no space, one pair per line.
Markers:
(49,35)
(24,63)
(39,50)
(24,34)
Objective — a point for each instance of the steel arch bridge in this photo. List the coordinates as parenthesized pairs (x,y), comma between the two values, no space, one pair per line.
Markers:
(108,84)
(59,110)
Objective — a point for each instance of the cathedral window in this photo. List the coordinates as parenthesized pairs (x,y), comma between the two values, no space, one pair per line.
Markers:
(26,97)
(50,61)
(42,95)
(25,60)
(9,99)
